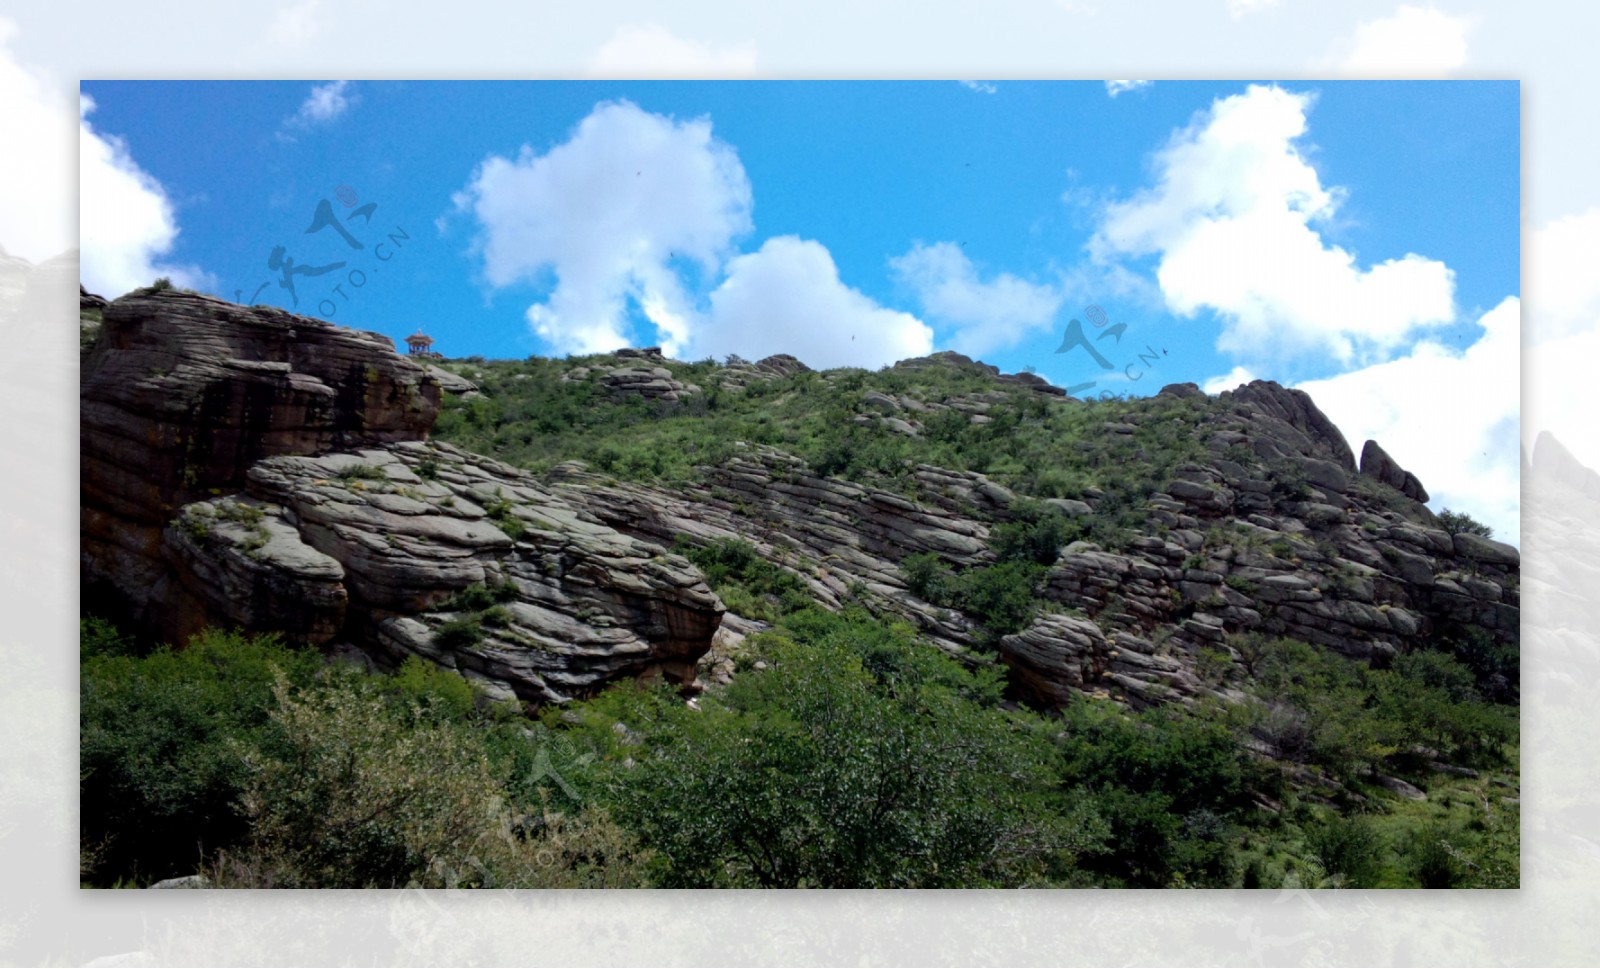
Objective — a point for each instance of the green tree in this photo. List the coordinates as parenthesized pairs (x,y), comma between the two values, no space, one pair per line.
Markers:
(160,748)
(822,772)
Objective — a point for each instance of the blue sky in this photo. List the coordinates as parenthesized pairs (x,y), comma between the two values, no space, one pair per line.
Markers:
(1352,237)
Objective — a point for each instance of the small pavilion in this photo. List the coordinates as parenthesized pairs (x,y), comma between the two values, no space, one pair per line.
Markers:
(420,343)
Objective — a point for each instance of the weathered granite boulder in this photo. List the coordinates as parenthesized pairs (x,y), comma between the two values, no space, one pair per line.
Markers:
(1376,463)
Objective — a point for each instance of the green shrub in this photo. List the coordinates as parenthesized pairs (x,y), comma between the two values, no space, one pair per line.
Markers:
(1171,787)
(97,637)
(361,472)
(1458,523)
(160,741)
(815,772)
(1038,534)
(1349,848)
(460,633)
(1430,859)
(345,792)
(749,584)
(1240,584)
(501,511)
(1000,597)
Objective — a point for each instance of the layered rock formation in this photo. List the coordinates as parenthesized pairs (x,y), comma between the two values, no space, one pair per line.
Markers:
(636,374)
(248,467)
(1276,533)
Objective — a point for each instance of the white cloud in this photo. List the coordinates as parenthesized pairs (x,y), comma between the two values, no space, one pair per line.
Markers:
(986,316)
(787,298)
(1231,218)
(1229,380)
(1563,287)
(296,23)
(36,156)
(651,50)
(325,103)
(606,212)
(1411,42)
(126,221)
(1115,88)
(982,87)
(1241,8)
(1450,417)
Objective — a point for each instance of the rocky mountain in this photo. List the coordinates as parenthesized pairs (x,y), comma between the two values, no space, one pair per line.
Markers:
(245,466)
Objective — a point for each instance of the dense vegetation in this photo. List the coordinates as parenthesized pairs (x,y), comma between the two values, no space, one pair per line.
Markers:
(845,754)
(530,417)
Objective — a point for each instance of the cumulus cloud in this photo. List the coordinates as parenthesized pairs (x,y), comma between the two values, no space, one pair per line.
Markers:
(1451,417)
(610,212)
(1411,42)
(126,222)
(324,103)
(1115,88)
(984,316)
(787,298)
(982,87)
(1229,380)
(651,50)
(36,155)
(1232,218)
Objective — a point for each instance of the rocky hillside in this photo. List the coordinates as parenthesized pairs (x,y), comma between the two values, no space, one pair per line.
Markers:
(246,467)
(638,516)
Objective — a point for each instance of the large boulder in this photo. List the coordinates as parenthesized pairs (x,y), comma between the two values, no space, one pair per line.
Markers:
(1376,463)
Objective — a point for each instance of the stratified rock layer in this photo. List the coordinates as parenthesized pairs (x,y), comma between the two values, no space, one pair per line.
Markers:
(247,467)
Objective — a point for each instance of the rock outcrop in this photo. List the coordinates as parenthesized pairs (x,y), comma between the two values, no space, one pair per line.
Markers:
(638,373)
(183,394)
(252,468)
(1274,532)
(1375,461)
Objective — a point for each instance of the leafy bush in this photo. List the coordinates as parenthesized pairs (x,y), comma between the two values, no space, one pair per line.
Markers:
(503,513)
(362,472)
(1038,534)
(1170,786)
(160,748)
(1349,848)
(815,772)
(1458,523)
(748,583)
(1000,597)
(460,633)
(348,791)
